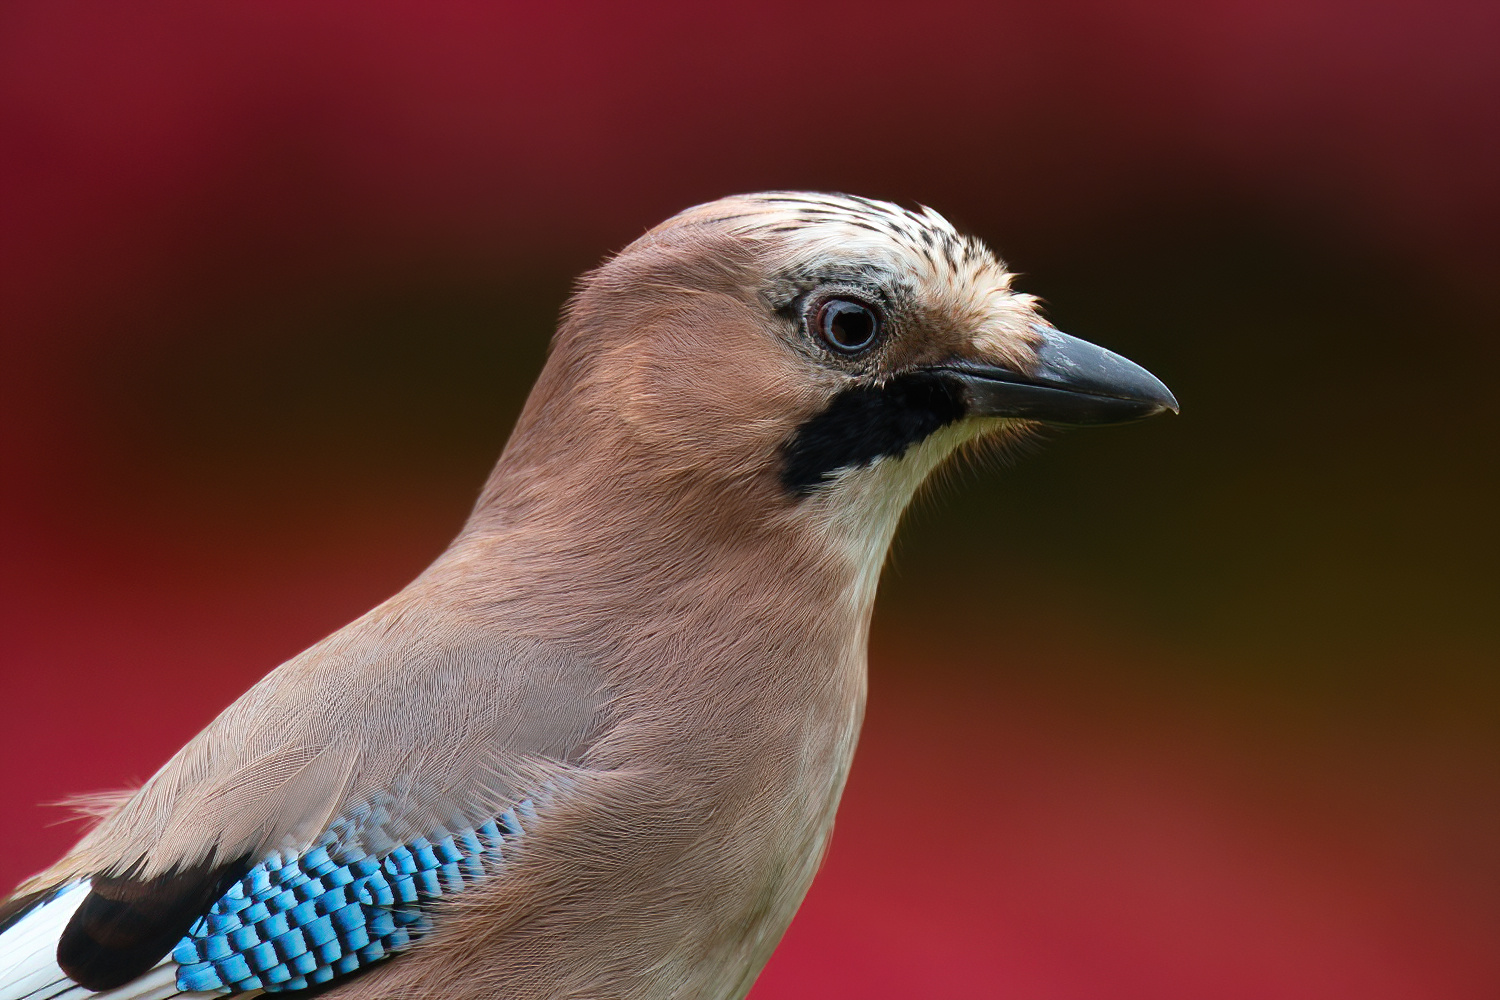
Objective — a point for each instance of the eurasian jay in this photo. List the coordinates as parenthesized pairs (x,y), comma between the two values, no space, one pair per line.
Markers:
(595,749)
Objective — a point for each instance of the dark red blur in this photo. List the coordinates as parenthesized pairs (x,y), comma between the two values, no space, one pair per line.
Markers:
(1201,708)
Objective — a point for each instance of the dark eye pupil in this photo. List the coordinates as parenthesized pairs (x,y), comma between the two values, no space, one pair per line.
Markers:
(849,326)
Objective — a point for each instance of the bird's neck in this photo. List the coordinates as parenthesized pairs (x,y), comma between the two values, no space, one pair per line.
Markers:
(595,557)
(600,536)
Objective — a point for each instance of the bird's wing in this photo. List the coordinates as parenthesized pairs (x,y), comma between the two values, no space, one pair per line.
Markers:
(308,832)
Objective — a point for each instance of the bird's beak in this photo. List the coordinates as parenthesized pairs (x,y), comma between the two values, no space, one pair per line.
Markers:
(1073,383)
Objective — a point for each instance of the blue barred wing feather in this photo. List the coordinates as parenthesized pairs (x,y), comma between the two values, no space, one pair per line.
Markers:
(296,921)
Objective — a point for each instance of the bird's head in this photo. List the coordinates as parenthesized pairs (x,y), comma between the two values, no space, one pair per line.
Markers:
(806,355)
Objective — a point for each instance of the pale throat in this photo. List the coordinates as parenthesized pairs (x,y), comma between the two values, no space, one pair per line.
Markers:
(862,508)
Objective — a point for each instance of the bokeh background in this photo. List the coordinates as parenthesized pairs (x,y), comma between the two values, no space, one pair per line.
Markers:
(1204,707)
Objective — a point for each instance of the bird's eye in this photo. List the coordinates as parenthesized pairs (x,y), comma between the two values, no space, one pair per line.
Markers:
(847,325)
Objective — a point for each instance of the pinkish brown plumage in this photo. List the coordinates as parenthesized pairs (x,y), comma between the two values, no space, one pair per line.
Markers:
(649,639)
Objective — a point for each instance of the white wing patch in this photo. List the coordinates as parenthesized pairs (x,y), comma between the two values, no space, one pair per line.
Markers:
(28,959)
(294,921)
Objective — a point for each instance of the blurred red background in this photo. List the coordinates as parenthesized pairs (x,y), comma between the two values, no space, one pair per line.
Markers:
(1198,708)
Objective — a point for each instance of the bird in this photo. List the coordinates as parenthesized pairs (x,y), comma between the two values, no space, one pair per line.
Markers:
(595,748)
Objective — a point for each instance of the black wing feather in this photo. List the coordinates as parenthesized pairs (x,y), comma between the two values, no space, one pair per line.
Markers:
(127,924)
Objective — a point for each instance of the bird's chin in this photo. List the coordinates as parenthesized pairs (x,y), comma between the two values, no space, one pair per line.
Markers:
(999,441)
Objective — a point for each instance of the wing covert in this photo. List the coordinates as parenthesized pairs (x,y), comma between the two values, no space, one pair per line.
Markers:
(301,920)
(315,826)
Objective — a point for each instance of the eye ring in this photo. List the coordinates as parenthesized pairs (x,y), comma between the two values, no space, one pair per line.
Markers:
(846,324)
